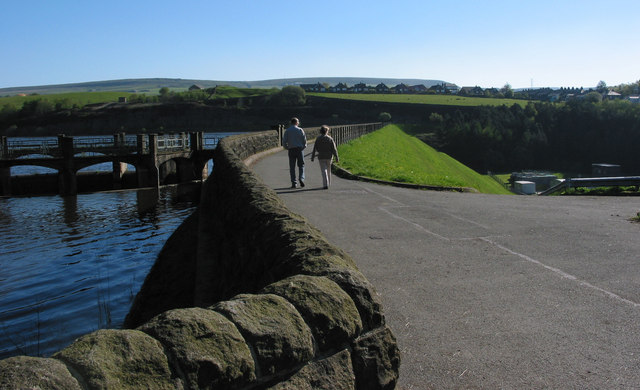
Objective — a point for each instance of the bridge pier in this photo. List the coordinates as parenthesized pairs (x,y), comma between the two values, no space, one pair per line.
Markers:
(67,180)
(119,168)
(147,172)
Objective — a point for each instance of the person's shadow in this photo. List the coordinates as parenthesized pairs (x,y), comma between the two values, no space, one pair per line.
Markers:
(289,190)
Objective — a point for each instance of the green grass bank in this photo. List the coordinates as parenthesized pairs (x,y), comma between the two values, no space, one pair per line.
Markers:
(444,100)
(393,155)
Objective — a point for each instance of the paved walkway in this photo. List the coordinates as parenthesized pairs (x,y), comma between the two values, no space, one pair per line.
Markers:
(489,291)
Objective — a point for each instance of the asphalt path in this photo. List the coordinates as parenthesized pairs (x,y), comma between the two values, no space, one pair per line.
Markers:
(489,291)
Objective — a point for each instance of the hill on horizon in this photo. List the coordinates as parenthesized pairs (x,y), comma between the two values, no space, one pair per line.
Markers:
(146,85)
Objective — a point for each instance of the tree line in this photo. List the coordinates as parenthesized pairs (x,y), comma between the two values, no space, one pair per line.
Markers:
(566,138)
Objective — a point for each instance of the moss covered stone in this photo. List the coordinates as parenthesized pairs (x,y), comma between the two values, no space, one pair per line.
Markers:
(332,373)
(24,372)
(376,360)
(119,359)
(326,308)
(361,291)
(273,328)
(208,348)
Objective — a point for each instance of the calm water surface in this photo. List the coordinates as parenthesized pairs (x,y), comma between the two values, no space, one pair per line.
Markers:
(72,265)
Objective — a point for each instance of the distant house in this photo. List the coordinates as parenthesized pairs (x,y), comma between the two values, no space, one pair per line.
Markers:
(451,88)
(195,87)
(491,91)
(382,88)
(612,95)
(445,88)
(360,87)
(634,99)
(401,88)
(471,91)
(317,87)
(420,88)
(340,87)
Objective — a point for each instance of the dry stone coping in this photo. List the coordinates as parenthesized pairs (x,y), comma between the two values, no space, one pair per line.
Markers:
(332,373)
(26,372)
(273,328)
(205,347)
(122,359)
(328,310)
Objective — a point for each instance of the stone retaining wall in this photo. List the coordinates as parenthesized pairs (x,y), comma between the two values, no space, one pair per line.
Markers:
(244,295)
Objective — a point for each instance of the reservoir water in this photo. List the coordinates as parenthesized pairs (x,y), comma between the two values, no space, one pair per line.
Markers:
(72,265)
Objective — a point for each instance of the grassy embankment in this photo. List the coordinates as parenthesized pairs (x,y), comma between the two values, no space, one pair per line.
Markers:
(445,100)
(81,99)
(393,155)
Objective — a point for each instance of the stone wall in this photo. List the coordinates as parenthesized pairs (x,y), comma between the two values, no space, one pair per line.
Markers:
(244,295)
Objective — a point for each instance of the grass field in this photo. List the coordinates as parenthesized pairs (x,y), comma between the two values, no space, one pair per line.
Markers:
(391,154)
(447,100)
(72,98)
(81,99)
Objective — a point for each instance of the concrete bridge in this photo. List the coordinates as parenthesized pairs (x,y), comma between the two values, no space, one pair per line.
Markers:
(155,157)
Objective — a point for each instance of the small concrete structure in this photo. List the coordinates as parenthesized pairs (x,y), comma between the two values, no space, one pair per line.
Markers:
(525,187)
(542,180)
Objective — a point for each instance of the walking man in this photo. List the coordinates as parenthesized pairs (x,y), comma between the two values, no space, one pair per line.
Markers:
(295,141)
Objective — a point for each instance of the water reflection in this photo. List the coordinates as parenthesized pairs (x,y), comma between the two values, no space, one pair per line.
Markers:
(71,265)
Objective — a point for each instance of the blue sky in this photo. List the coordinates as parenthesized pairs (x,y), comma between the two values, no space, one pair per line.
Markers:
(486,43)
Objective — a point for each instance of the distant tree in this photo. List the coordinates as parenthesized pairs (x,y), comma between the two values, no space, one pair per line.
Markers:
(291,95)
(384,117)
(602,87)
(593,97)
(507,91)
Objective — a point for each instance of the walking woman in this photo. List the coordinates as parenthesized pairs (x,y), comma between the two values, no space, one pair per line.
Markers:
(325,148)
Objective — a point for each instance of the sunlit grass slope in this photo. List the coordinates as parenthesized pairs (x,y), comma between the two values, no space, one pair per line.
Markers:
(446,100)
(391,154)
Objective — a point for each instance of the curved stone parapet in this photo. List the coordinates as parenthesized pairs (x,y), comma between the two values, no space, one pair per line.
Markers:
(244,295)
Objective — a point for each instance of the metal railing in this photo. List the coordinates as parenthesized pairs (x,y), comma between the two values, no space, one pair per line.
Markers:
(173,142)
(211,142)
(19,147)
(345,133)
(594,182)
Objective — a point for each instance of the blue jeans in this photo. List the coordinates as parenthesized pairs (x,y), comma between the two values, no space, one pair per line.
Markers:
(296,156)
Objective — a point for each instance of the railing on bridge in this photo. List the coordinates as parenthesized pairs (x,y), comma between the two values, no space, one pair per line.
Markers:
(173,142)
(211,141)
(117,145)
(14,148)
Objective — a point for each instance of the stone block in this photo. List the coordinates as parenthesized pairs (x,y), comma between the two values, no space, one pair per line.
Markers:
(376,360)
(119,359)
(361,291)
(24,372)
(332,373)
(330,313)
(273,328)
(208,349)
